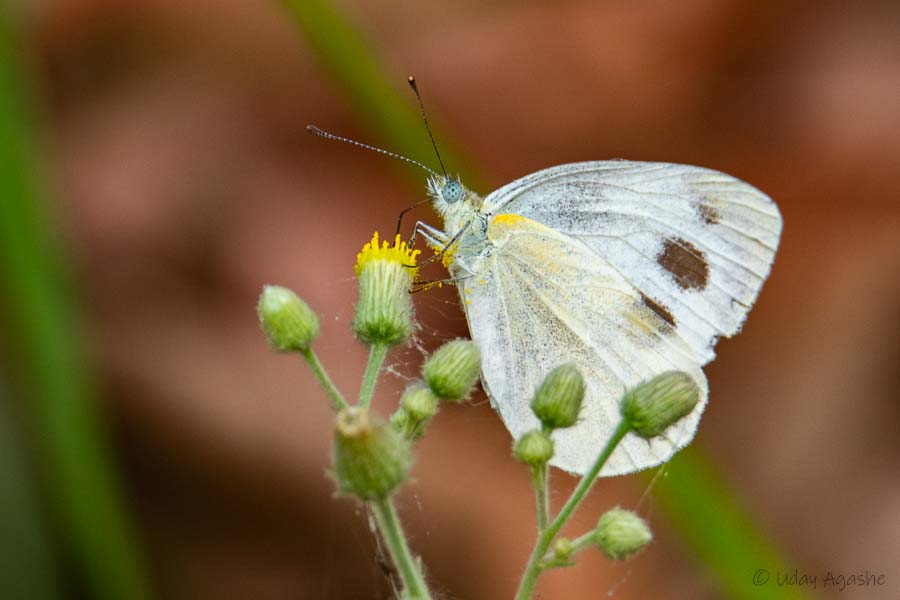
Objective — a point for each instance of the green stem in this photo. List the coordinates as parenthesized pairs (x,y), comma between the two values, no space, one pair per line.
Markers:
(414,586)
(540,482)
(582,542)
(533,568)
(551,561)
(376,358)
(334,395)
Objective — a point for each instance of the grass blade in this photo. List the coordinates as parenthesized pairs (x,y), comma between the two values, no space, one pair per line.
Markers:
(720,531)
(48,377)
(381,108)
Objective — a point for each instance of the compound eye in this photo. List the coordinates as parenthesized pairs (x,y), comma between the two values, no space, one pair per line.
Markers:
(452,192)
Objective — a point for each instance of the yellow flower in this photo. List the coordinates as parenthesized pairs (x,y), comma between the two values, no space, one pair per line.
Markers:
(399,253)
(386,274)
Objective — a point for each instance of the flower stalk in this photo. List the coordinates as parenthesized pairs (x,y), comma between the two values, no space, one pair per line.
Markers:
(414,586)
(335,397)
(377,352)
(540,479)
(534,567)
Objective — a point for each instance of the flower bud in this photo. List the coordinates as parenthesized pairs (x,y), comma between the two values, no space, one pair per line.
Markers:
(620,533)
(562,549)
(453,369)
(535,448)
(288,322)
(557,400)
(370,458)
(418,405)
(654,405)
(384,311)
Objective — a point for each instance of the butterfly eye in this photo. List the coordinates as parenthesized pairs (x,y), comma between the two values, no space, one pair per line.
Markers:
(452,192)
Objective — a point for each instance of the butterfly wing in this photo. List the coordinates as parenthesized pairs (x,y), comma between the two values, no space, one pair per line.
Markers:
(538,298)
(696,243)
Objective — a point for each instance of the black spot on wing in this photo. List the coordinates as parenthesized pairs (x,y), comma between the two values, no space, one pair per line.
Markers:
(661,311)
(685,263)
(709,214)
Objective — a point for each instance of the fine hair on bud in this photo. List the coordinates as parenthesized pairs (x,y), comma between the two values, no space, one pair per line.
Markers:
(371,458)
(288,322)
(452,371)
(534,449)
(655,405)
(621,533)
(558,398)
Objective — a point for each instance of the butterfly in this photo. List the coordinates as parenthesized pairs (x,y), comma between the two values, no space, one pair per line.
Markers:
(626,269)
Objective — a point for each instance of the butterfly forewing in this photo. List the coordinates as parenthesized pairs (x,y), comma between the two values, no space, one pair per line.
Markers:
(695,243)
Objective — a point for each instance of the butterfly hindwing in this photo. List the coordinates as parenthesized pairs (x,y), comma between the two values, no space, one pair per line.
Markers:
(541,298)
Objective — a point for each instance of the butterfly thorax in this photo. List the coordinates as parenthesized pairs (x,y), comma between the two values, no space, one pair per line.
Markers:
(465,225)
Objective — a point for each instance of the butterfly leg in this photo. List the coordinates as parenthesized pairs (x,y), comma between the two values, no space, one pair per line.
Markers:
(406,210)
(424,286)
(433,283)
(434,237)
(447,246)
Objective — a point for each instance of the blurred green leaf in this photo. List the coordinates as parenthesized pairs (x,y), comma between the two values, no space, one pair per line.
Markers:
(49,382)
(381,108)
(699,504)
(27,567)
(706,512)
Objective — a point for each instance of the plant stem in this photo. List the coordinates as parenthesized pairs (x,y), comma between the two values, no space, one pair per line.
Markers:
(376,358)
(334,395)
(582,542)
(414,586)
(533,568)
(540,482)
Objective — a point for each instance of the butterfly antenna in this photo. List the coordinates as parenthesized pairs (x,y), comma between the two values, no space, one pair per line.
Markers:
(415,89)
(331,136)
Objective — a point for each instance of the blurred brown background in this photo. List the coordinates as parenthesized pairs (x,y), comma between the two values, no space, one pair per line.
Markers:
(185,181)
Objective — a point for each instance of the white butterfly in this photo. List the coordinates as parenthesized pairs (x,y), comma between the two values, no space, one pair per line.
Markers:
(627,269)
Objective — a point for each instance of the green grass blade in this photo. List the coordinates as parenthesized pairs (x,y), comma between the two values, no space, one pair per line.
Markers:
(48,376)
(27,566)
(373,95)
(721,532)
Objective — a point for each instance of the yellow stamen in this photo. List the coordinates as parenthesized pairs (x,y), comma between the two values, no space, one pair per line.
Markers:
(399,252)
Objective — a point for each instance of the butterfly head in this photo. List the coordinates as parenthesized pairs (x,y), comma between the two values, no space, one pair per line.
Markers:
(450,196)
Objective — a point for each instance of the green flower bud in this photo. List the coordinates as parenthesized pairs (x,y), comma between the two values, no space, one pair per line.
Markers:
(535,448)
(654,405)
(557,400)
(370,458)
(401,422)
(562,549)
(453,369)
(384,313)
(418,405)
(288,322)
(620,533)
